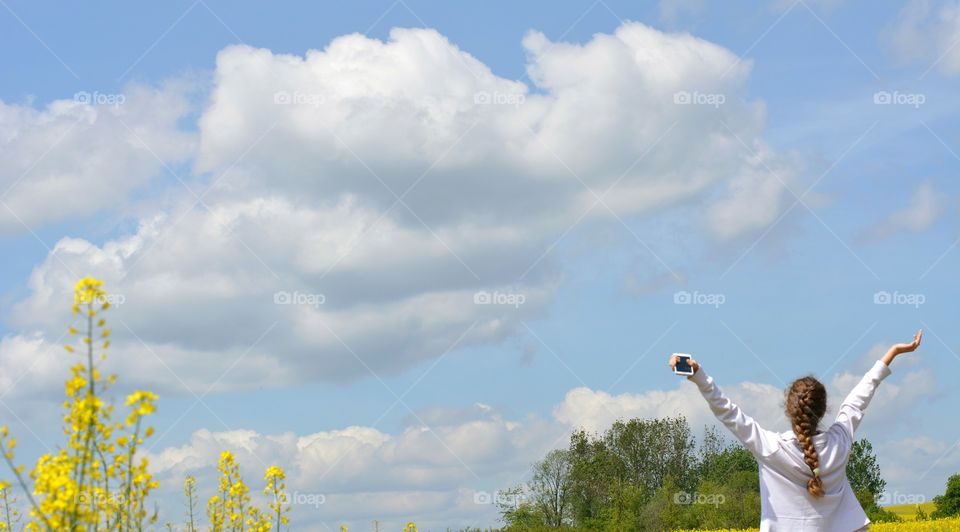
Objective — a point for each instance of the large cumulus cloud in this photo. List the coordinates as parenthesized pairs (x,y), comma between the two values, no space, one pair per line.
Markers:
(385,187)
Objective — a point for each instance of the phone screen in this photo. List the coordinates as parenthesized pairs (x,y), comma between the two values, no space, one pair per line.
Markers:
(683,365)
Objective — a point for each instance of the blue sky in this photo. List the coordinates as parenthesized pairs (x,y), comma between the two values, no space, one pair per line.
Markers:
(877,213)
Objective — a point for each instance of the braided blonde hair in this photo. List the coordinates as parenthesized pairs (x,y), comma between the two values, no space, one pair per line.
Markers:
(806,402)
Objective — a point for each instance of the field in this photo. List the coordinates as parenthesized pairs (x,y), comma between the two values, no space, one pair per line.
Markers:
(908,511)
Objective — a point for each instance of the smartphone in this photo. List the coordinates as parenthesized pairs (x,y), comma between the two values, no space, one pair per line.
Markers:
(683,366)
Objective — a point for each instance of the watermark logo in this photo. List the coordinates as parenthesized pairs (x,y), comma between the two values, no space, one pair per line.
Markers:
(499,298)
(712,499)
(499,98)
(298,498)
(684,297)
(896,298)
(888,498)
(299,298)
(913,99)
(298,98)
(500,498)
(713,99)
(112,300)
(99,98)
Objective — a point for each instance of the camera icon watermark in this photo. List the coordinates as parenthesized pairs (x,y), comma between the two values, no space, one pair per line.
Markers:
(713,99)
(711,499)
(298,298)
(884,297)
(484,297)
(482,497)
(298,98)
(913,99)
(684,297)
(499,98)
(99,98)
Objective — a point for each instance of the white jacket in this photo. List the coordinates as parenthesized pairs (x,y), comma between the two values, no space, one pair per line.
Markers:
(784,501)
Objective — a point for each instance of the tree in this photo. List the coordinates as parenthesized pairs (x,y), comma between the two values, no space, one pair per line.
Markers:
(720,458)
(549,486)
(863,471)
(625,507)
(728,492)
(948,504)
(650,450)
(614,474)
(662,512)
(868,485)
(592,467)
(515,511)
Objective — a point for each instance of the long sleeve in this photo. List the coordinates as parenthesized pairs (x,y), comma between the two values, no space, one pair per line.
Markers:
(851,411)
(756,439)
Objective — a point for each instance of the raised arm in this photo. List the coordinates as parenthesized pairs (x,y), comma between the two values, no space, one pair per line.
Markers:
(851,411)
(756,439)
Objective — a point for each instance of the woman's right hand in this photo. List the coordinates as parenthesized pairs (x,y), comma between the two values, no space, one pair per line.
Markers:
(674,360)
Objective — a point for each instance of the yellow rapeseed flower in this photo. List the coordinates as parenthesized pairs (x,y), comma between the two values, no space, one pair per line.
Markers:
(99,479)
(87,290)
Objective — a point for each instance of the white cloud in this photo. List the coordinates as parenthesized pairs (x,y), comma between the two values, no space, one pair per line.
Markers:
(894,398)
(596,410)
(928,33)
(923,210)
(302,154)
(207,286)
(600,106)
(897,396)
(918,466)
(361,473)
(754,198)
(77,157)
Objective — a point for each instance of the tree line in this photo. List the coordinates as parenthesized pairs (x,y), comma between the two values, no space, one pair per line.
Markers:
(653,474)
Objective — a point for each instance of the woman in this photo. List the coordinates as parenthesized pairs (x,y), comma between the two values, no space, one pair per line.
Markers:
(803,472)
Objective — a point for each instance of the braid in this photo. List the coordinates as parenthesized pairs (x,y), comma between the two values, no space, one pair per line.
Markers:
(805,405)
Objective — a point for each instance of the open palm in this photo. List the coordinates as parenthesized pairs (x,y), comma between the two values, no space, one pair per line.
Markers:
(912,346)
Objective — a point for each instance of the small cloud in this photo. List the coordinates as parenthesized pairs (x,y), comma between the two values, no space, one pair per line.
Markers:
(923,210)
(527,355)
(671,10)
(927,35)
(638,285)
